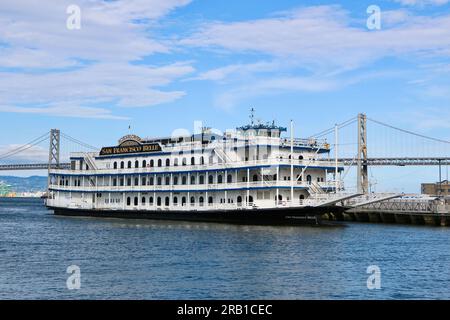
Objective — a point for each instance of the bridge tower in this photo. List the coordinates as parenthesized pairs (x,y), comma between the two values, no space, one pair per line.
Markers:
(362,174)
(53,154)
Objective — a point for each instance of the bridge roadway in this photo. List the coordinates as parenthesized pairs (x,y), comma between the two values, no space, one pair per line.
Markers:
(427,161)
(401,162)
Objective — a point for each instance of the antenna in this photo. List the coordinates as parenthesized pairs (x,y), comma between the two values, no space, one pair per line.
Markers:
(252,116)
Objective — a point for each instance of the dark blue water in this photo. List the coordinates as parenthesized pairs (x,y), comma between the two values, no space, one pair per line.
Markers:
(124,259)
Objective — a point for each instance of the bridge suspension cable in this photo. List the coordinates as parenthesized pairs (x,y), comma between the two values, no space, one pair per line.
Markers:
(331,130)
(81,143)
(26,146)
(408,132)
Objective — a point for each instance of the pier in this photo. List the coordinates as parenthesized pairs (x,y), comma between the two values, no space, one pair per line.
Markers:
(415,211)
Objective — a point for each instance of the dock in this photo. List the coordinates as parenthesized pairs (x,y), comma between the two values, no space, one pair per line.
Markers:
(405,210)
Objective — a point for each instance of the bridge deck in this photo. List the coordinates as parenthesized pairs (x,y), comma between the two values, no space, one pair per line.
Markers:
(346,161)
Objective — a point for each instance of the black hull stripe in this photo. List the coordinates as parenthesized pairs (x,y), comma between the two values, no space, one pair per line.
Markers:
(273,216)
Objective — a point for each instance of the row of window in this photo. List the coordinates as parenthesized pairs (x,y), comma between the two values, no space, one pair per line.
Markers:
(183,181)
(175,200)
(183,200)
(159,163)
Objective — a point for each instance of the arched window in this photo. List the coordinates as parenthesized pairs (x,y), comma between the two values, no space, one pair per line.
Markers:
(122,165)
(159,181)
(183,180)
(255,177)
(202,160)
(143,201)
(167,162)
(167,180)
(302,196)
(175,201)
(183,161)
(150,201)
(210,200)
(167,201)
(250,199)
(115,165)
(152,163)
(128,201)
(239,199)
(201,201)
(219,178)
(136,200)
(192,179)
(144,164)
(159,162)
(274,177)
(175,162)
(175,180)
(192,161)
(192,200)
(211,179)
(129,164)
(152,181)
(158,202)
(121,182)
(201,179)
(229,178)
(144,181)
(183,201)
(308,179)
(136,181)
(136,164)
(114,182)
(129,182)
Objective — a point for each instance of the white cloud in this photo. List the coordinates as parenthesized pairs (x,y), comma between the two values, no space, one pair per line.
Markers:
(316,49)
(74,111)
(422,2)
(221,73)
(125,84)
(265,87)
(427,118)
(66,72)
(30,152)
(325,37)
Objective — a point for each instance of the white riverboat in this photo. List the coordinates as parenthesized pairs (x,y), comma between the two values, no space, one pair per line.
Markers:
(249,175)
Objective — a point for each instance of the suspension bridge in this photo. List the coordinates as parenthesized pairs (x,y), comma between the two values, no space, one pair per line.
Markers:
(389,146)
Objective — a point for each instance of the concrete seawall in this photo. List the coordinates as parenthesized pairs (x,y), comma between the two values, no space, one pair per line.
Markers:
(430,219)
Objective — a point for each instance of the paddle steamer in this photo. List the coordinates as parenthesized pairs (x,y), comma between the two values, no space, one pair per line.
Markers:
(248,175)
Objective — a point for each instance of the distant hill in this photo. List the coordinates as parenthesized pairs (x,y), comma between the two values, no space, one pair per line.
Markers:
(28,184)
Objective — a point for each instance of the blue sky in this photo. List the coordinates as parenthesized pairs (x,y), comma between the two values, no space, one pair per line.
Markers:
(158,65)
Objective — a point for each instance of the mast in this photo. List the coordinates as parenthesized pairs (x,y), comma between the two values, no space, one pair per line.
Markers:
(292,161)
(336,155)
(252,116)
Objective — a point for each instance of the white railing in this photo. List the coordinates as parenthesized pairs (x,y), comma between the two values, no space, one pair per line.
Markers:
(189,187)
(216,166)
